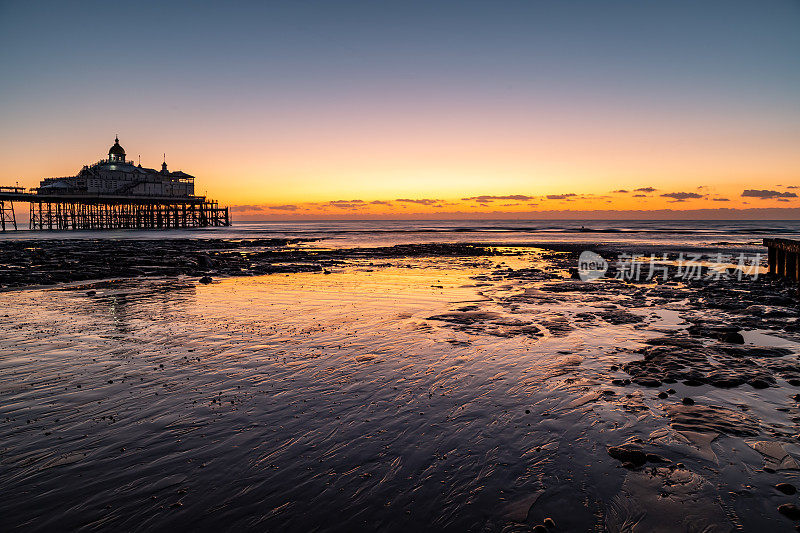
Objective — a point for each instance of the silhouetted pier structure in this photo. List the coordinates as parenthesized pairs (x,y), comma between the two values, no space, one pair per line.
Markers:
(114,194)
(784,258)
(60,212)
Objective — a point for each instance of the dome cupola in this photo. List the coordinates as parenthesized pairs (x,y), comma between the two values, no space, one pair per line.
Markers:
(116,152)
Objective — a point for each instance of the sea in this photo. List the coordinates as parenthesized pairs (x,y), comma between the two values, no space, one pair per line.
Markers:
(711,234)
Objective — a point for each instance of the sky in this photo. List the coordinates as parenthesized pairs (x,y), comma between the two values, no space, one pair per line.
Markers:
(345,109)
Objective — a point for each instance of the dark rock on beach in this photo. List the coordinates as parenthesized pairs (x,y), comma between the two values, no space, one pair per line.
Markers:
(789,510)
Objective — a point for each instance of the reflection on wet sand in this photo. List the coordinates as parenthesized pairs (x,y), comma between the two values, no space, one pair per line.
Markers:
(457,393)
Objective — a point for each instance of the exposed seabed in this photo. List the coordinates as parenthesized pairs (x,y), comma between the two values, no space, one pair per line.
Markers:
(480,391)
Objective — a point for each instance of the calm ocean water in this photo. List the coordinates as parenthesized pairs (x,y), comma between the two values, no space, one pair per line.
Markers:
(688,233)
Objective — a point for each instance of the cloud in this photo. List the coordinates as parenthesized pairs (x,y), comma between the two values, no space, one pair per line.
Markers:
(765,194)
(645,189)
(560,196)
(622,191)
(783,200)
(720,200)
(346,204)
(420,201)
(380,202)
(285,207)
(487,198)
(682,196)
(640,196)
(792,187)
(247,207)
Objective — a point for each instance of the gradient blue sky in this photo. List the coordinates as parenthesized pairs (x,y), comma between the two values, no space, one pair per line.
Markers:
(308,101)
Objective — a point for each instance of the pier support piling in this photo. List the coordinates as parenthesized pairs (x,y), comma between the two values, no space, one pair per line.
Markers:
(7,216)
(99,215)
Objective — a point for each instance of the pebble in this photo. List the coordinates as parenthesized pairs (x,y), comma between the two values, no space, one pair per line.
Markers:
(663,395)
(688,401)
(205,280)
(549,522)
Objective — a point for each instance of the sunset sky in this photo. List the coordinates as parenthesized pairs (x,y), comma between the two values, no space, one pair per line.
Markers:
(349,109)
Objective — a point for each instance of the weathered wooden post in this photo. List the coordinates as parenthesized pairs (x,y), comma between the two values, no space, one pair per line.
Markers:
(783,256)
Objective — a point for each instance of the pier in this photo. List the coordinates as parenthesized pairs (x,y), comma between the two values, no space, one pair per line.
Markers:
(103,212)
(784,258)
(114,193)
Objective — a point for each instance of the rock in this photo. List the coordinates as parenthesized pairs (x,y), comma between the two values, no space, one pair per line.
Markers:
(549,523)
(205,280)
(647,381)
(628,453)
(688,401)
(775,456)
(758,383)
(733,337)
(789,510)
(205,262)
(663,395)
(539,528)
(91,293)
(786,488)
(724,379)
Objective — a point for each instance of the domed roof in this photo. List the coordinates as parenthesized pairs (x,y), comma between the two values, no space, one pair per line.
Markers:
(116,149)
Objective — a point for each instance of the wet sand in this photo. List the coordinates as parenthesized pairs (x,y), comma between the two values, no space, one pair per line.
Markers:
(420,389)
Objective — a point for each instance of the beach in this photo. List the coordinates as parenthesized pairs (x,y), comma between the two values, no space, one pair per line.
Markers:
(293,383)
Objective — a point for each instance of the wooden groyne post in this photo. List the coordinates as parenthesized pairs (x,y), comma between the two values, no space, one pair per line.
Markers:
(784,258)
